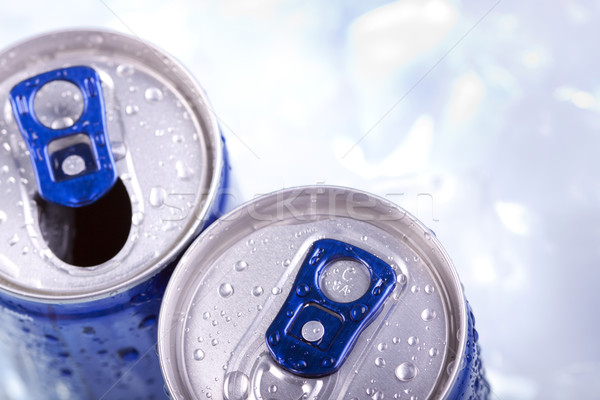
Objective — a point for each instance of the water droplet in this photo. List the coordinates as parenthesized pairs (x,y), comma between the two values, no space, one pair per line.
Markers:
(137,218)
(178,139)
(364,238)
(14,239)
(214,342)
(241,266)
(287,262)
(147,322)
(257,291)
(406,371)
(131,109)
(428,314)
(159,132)
(276,290)
(413,341)
(96,39)
(3,217)
(215,323)
(225,290)
(183,171)
(450,367)
(236,386)
(124,70)
(88,330)
(380,362)
(382,346)
(198,354)
(119,150)
(396,340)
(415,289)
(433,352)
(169,226)
(206,315)
(272,389)
(153,94)
(259,307)
(429,289)
(128,354)
(377,396)
(157,196)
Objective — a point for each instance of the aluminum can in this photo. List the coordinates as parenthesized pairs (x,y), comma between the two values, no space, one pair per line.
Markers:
(111,163)
(318,292)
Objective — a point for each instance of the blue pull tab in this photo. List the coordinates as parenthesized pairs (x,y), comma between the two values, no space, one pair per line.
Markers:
(84,145)
(313,335)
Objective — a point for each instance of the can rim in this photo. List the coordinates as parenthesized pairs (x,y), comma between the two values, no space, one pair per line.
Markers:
(174,306)
(206,198)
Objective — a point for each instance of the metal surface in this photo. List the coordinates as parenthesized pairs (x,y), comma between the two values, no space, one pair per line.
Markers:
(233,281)
(87,329)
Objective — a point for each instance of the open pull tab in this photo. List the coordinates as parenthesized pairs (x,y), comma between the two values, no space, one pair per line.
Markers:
(339,290)
(69,148)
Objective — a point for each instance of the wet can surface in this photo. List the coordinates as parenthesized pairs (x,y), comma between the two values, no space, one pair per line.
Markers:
(111,162)
(318,293)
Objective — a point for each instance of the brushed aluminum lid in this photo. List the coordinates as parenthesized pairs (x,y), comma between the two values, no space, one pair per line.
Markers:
(168,153)
(232,282)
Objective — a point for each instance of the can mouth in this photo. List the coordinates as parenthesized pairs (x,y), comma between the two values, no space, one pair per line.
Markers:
(89,235)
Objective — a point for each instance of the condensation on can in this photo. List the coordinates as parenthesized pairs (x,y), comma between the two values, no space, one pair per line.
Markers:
(231,284)
(79,317)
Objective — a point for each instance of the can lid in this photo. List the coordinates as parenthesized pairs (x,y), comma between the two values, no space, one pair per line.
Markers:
(159,133)
(313,292)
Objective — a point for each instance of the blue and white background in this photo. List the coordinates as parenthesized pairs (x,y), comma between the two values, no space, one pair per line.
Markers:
(482,118)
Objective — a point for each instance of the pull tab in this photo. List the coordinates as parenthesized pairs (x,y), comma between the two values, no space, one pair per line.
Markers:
(72,159)
(339,290)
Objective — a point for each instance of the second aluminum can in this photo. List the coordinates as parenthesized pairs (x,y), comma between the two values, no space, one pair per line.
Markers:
(81,286)
(318,292)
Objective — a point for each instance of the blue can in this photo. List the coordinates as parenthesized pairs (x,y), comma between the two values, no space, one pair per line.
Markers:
(111,163)
(318,292)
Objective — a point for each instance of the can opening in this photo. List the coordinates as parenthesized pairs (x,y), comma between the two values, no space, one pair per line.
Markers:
(89,235)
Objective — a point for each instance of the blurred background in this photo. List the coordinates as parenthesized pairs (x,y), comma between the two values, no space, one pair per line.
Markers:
(482,118)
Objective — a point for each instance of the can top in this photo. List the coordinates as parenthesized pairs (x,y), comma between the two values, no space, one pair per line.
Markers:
(275,299)
(165,144)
